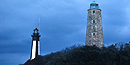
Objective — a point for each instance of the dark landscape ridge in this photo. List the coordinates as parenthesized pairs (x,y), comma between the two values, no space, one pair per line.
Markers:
(117,54)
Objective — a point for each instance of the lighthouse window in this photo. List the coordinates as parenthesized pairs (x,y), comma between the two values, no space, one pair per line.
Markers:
(93,11)
(35,31)
(94,34)
(93,21)
(93,7)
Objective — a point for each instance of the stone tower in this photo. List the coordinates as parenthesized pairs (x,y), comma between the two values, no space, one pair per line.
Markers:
(94,34)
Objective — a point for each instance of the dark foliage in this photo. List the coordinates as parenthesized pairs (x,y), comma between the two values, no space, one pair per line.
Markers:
(118,54)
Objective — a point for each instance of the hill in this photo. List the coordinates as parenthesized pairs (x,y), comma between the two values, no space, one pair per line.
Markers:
(118,54)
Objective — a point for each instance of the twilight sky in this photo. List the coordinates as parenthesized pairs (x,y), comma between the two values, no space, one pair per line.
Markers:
(62,24)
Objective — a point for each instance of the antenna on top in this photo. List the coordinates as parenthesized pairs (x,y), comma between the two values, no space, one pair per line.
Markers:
(39,24)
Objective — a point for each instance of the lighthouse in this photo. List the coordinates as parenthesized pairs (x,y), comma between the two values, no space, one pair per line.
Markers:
(94,34)
(35,48)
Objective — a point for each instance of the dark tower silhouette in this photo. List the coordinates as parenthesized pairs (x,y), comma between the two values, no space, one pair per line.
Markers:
(35,49)
(94,35)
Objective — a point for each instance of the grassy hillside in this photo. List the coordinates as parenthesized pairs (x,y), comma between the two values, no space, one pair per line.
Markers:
(118,54)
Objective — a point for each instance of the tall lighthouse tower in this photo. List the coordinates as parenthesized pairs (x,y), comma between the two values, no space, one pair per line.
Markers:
(35,50)
(94,34)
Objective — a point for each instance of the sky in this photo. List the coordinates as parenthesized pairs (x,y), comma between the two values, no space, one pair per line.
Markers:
(62,24)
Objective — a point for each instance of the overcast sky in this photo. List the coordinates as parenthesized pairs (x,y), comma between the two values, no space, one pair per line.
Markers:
(62,24)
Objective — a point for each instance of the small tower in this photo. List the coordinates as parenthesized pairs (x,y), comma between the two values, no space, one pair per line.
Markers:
(35,49)
(94,34)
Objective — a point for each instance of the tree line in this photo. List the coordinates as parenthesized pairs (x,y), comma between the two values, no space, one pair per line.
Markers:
(116,54)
